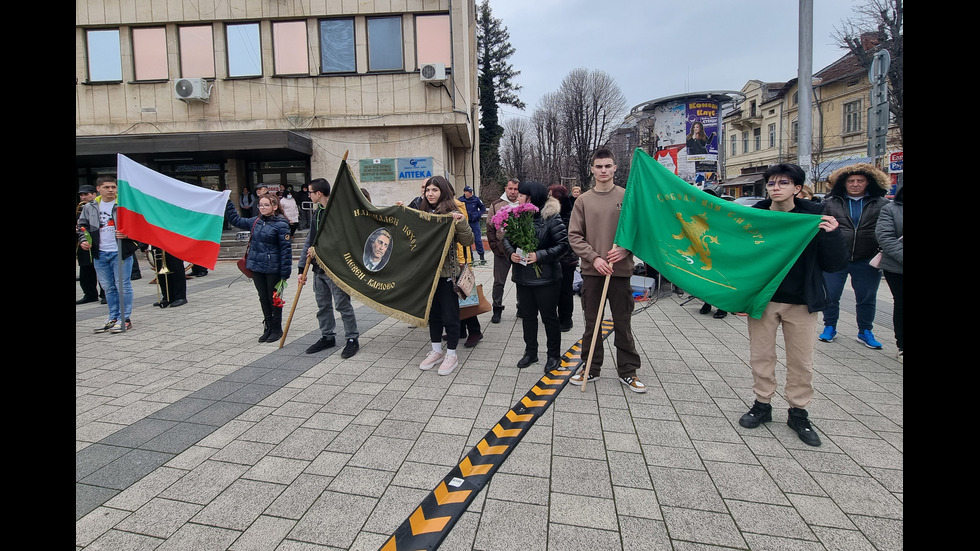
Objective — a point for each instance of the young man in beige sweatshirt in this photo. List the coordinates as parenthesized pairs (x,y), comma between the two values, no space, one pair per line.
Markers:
(591,231)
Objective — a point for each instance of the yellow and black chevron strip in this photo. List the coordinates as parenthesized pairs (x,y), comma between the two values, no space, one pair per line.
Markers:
(431,521)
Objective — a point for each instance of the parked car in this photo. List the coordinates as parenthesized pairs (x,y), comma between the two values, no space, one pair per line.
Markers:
(728,197)
(748,201)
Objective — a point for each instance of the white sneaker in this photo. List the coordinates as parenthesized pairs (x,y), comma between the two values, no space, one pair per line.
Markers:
(449,364)
(431,360)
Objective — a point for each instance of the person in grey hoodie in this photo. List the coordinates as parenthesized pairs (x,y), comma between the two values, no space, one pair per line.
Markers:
(889,232)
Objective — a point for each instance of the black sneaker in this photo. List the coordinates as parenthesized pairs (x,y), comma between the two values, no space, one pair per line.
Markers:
(760,413)
(322,344)
(799,421)
(351,348)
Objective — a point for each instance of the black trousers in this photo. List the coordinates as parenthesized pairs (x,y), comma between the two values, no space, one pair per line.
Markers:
(894,281)
(88,280)
(543,300)
(173,285)
(444,314)
(265,284)
(566,300)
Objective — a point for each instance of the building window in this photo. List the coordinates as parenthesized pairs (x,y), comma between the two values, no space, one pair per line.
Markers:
(290,55)
(196,51)
(745,142)
(244,50)
(796,131)
(385,44)
(852,116)
(337,46)
(150,53)
(752,109)
(433,40)
(734,145)
(104,55)
(757,135)
(796,97)
(772,135)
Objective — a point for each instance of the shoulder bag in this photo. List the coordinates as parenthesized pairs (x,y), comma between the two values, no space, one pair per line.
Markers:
(243,261)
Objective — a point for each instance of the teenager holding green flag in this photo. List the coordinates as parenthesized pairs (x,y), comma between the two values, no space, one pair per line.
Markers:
(801,294)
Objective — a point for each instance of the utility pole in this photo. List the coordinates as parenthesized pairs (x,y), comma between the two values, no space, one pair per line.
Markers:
(878,108)
(805,87)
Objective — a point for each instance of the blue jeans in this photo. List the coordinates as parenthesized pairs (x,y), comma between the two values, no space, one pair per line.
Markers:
(475,226)
(864,281)
(107,268)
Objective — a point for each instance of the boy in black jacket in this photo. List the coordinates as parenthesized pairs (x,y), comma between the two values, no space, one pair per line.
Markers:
(794,305)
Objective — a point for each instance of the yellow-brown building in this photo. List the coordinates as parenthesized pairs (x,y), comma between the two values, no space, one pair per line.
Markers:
(763,129)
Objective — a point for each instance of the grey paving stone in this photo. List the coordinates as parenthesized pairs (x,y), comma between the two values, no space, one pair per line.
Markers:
(121,473)
(564,537)
(700,526)
(641,534)
(774,520)
(204,483)
(527,489)
(395,505)
(506,525)
(334,519)
(585,477)
(358,481)
(636,502)
(160,518)
(835,539)
(859,495)
(116,539)
(198,537)
(745,482)
(265,533)
(686,488)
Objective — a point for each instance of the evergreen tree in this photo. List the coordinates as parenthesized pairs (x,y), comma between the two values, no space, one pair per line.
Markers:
(497,86)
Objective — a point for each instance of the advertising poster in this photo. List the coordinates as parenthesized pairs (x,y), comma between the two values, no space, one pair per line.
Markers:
(702,130)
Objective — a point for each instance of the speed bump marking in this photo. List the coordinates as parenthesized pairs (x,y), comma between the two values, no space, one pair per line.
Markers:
(432,520)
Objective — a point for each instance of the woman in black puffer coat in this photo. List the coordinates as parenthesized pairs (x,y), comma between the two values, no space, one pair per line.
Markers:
(270,257)
(538,294)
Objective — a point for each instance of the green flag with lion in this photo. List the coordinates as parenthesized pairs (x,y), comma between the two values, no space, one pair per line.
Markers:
(728,255)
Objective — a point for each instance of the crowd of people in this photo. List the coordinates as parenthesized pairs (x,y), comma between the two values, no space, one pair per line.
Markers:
(567,234)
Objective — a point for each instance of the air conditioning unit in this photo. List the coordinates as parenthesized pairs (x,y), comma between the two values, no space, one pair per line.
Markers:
(433,72)
(192,89)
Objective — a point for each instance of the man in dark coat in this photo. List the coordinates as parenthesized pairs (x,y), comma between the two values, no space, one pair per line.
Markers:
(855,201)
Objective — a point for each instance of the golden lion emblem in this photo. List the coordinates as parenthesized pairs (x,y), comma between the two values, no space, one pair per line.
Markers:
(695,231)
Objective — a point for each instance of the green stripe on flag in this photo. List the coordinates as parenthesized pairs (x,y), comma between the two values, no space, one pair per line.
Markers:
(189,223)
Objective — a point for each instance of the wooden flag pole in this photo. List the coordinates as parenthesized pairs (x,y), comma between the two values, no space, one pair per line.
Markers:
(299,287)
(595,331)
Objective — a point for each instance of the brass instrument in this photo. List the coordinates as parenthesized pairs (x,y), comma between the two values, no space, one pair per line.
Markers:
(160,256)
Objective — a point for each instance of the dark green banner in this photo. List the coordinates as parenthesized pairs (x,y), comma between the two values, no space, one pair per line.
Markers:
(388,257)
(728,255)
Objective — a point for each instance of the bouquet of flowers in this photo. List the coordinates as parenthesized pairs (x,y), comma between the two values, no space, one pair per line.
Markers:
(517,223)
(277,300)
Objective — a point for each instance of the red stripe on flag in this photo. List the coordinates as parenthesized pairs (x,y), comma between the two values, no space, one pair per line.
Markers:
(201,253)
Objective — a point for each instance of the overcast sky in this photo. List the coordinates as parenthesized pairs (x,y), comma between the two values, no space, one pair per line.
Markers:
(656,48)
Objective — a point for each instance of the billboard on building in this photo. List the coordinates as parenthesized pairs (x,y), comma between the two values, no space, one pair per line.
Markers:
(686,134)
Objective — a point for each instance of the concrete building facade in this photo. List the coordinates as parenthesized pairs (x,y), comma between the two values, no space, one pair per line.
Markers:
(230,94)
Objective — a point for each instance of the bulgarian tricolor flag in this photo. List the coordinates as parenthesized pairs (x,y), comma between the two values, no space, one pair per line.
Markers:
(180,218)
